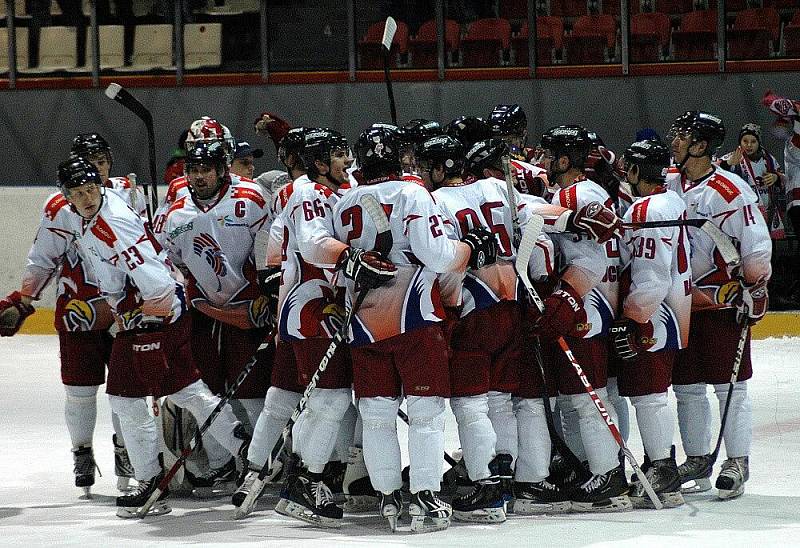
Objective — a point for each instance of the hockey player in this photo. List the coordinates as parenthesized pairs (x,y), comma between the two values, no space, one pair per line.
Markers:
(509,122)
(656,300)
(468,130)
(244,156)
(82,317)
(150,354)
(397,344)
(723,302)
(581,310)
(210,233)
(412,134)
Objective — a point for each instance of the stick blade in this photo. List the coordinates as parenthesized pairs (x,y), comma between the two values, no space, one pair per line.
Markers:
(383,241)
(388,33)
(529,236)
(724,244)
(113,90)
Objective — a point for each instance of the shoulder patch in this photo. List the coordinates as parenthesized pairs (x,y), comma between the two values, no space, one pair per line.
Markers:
(120,182)
(322,188)
(248,194)
(177,205)
(175,186)
(103,232)
(285,194)
(726,188)
(569,198)
(639,213)
(54,205)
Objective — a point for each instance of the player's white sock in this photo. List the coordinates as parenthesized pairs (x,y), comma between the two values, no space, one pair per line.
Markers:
(80,413)
(533,462)
(381,447)
(252,407)
(694,418)
(425,441)
(739,424)
(200,402)
(279,405)
(570,425)
(475,432)
(141,435)
(504,422)
(325,408)
(345,437)
(656,424)
(620,406)
(217,455)
(601,448)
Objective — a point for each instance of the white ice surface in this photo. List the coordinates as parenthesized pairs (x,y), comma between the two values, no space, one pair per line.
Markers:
(39,505)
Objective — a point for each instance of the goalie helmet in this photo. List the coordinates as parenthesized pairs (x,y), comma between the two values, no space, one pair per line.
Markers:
(442,151)
(651,157)
(486,154)
(76,171)
(209,130)
(319,144)
(699,126)
(469,130)
(378,152)
(573,142)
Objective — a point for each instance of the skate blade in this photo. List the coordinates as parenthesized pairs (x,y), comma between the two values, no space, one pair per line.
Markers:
(356,504)
(613,504)
(484,515)
(225,489)
(392,522)
(727,494)
(528,507)
(158,509)
(87,493)
(298,511)
(669,500)
(700,485)
(421,524)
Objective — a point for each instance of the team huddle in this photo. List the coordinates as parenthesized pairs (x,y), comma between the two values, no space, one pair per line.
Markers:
(537,289)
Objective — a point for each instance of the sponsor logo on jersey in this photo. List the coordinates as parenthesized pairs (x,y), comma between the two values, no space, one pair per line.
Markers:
(54,206)
(147,347)
(103,232)
(207,247)
(227,221)
(180,230)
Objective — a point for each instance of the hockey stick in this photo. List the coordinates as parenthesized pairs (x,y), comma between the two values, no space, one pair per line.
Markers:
(388,36)
(123,97)
(532,231)
(384,241)
(512,202)
(164,483)
(737,362)
(724,244)
(525,249)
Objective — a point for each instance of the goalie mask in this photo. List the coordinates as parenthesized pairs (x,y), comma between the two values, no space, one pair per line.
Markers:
(208,130)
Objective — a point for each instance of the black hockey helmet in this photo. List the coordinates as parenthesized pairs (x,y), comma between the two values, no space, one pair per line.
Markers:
(573,142)
(444,151)
(211,153)
(89,144)
(318,144)
(486,154)
(700,126)
(76,171)
(291,143)
(469,130)
(378,151)
(419,130)
(651,157)
(508,120)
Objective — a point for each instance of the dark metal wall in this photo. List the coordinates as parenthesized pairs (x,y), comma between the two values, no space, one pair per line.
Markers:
(36,126)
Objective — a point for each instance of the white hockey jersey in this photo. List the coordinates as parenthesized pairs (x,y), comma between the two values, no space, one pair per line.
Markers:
(591,269)
(656,281)
(731,205)
(421,249)
(131,269)
(309,253)
(215,243)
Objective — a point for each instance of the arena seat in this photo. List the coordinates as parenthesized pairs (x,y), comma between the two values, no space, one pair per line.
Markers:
(593,40)
(370,56)
(485,42)
(649,36)
(697,38)
(422,47)
(202,45)
(549,37)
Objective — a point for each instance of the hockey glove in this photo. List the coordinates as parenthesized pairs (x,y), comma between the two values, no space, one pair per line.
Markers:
(367,268)
(630,338)
(483,247)
(598,221)
(149,360)
(563,309)
(751,303)
(272,125)
(269,281)
(13,313)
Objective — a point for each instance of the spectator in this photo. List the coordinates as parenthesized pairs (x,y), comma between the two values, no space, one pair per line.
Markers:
(175,162)
(39,10)
(243,159)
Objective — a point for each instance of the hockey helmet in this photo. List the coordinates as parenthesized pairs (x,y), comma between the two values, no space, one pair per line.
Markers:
(651,157)
(699,126)
(319,144)
(76,171)
(378,151)
(89,144)
(208,130)
(291,144)
(486,154)
(208,153)
(444,151)
(573,142)
(508,120)
(469,130)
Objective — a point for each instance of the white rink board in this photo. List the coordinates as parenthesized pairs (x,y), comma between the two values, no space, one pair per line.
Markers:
(40,506)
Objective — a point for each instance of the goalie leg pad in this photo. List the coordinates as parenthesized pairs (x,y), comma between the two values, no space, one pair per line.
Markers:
(200,402)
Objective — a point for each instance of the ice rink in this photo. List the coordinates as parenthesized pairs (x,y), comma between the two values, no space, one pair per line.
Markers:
(41,507)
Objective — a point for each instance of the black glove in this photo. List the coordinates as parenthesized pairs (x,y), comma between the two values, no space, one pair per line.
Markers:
(630,338)
(483,246)
(269,281)
(367,268)
(13,313)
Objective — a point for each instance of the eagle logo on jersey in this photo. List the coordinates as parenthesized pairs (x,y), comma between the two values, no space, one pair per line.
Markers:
(259,311)
(206,246)
(79,315)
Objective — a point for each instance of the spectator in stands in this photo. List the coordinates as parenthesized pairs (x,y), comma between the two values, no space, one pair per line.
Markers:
(175,162)
(243,159)
(39,10)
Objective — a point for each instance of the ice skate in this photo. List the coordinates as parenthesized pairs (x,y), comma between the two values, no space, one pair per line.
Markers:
(485,504)
(215,482)
(666,482)
(334,479)
(603,493)
(359,494)
(541,497)
(501,467)
(307,498)
(83,458)
(695,473)
(123,468)
(566,477)
(391,507)
(428,513)
(730,482)
(128,505)
(244,489)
